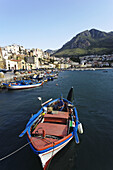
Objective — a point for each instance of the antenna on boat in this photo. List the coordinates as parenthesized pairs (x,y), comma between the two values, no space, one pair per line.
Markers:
(39,98)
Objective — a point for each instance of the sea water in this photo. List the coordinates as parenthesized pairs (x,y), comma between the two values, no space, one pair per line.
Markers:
(93,93)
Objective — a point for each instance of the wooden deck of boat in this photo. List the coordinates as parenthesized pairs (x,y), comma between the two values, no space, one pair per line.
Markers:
(53,125)
(57,117)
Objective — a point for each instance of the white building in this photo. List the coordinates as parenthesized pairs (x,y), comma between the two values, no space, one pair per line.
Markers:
(12,49)
(36,62)
(39,53)
(4,54)
(52,65)
(11,65)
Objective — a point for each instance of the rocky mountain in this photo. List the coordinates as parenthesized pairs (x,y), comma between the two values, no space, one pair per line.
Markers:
(50,51)
(88,42)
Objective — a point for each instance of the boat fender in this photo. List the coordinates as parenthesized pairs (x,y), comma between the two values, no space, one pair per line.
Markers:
(80,128)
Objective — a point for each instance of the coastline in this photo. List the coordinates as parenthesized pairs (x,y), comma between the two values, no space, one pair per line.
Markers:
(93,69)
(104,68)
(11,76)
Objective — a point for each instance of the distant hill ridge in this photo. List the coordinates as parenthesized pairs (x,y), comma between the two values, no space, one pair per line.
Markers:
(88,42)
(50,51)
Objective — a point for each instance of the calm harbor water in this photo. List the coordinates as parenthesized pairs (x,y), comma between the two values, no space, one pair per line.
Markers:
(94,101)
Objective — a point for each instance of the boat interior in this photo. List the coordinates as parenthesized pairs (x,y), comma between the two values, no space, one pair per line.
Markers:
(52,128)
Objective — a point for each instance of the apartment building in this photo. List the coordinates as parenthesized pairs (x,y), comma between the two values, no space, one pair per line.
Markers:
(1,59)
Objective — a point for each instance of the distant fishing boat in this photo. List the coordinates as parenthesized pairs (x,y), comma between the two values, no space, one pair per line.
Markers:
(52,128)
(23,85)
(105,71)
(49,78)
(55,76)
(45,80)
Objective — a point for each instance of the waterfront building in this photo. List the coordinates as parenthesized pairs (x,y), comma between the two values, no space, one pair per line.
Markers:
(1,59)
(20,64)
(74,64)
(46,55)
(63,66)
(39,53)
(30,64)
(88,65)
(11,64)
(52,65)
(36,62)
(47,66)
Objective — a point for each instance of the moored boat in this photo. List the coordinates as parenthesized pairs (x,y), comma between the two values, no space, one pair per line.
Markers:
(23,85)
(52,128)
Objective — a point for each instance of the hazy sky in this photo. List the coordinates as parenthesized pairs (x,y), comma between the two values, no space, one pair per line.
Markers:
(48,24)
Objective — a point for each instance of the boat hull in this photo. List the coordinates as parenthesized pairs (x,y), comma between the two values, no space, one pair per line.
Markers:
(48,155)
(19,87)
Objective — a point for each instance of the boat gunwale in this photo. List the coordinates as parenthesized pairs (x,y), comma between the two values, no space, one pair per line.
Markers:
(51,146)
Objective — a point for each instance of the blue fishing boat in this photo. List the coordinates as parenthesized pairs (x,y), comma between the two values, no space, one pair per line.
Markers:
(23,84)
(52,128)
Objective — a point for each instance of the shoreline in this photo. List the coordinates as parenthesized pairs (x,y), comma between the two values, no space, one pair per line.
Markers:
(92,68)
(104,68)
(10,77)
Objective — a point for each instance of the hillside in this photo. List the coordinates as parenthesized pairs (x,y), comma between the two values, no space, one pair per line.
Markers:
(87,43)
(50,51)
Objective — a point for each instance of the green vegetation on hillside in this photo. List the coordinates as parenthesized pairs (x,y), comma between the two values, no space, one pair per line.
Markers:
(81,52)
(87,43)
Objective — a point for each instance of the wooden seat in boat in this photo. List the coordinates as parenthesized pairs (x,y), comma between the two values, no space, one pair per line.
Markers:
(58,117)
(58,130)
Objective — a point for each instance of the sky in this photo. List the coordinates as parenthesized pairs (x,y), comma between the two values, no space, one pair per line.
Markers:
(49,24)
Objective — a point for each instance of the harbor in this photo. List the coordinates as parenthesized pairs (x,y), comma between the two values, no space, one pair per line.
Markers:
(44,76)
(95,112)
(56,85)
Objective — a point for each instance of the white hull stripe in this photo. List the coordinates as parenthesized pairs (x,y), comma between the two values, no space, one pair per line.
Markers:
(48,155)
(23,87)
(57,147)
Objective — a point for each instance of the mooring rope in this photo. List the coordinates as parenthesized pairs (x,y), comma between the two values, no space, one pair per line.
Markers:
(14,152)
(1,159)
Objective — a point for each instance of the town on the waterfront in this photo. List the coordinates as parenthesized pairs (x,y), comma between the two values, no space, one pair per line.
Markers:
(21,62)
(56,92)
(16,57)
